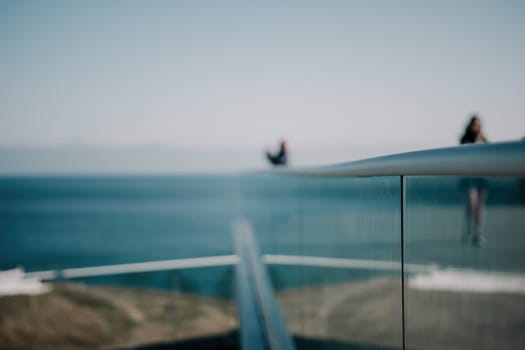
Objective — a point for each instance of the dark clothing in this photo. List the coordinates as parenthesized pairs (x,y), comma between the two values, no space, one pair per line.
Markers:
(471,138)
(278,159)
(478,183)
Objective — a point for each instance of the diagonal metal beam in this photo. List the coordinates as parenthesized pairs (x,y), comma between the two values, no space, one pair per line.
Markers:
(262,325)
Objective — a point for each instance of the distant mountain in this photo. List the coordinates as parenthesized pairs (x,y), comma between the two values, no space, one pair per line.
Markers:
(151,159)
(123,160)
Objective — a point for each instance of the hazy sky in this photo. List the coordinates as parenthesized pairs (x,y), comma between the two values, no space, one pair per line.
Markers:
(348,75)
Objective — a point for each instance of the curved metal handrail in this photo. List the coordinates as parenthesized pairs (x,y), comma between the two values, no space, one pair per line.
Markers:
(493,159)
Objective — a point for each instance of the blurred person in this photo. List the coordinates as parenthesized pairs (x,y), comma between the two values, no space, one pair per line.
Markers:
(473,133)
(474,187)
(279,158)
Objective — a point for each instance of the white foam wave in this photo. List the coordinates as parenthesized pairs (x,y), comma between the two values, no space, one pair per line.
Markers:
(14,282)
(468,281)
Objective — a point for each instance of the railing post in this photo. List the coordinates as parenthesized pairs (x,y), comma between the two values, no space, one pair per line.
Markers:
(402,219)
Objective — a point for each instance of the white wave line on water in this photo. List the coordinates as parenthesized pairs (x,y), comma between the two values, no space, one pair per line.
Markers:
(459,280)
(175,264)
(15,282)
(423,277)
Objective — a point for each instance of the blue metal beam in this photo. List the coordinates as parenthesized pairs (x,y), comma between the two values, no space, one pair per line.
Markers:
(262,325)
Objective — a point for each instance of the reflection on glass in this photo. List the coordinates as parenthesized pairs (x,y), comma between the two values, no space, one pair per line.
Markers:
(342,241)
(465,271)
(49,223)
(128,310)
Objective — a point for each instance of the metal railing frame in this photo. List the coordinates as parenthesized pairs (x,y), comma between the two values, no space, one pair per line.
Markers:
(490,159)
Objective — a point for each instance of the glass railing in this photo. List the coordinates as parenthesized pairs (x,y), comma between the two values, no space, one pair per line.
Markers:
(396,252)
(420,251)
(333,247)
(131,262)
(472,293)
(133,310)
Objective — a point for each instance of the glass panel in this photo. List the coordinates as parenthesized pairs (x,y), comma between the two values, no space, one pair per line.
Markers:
(271,203)
(465,269)
(346,232)
(67,222)
(119,311)
(53,223)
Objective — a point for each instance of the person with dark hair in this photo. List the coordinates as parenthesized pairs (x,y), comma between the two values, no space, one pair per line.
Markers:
(280,158)
(473,133)
(475,188)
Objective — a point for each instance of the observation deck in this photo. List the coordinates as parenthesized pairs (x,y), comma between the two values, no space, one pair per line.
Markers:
(385,253)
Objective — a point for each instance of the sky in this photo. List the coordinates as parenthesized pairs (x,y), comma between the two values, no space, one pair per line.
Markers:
(340,80)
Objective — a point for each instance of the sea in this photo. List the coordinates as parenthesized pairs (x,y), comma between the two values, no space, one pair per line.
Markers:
(58,222)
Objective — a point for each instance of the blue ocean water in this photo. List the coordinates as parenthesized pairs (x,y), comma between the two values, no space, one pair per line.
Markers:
(53,223)
(63,222)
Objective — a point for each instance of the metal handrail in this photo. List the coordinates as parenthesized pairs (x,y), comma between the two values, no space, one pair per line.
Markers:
(492,159)
(149,266)
(261,319)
